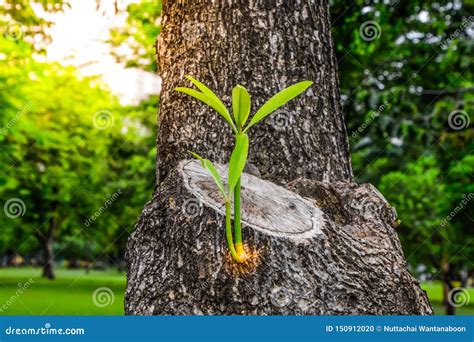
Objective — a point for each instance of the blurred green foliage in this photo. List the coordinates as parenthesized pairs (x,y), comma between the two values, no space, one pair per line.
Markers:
(134,43)
(406,81)
(66,147)
(20,17)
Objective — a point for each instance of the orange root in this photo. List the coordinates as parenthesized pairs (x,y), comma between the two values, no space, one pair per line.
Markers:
(250,259)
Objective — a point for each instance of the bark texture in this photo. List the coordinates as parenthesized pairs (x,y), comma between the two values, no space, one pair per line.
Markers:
(265,45)
(345,257)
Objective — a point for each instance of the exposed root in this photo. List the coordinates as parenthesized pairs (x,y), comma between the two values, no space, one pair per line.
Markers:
(250,259)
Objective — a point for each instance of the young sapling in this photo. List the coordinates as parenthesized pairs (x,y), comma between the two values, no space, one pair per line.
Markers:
(241,106)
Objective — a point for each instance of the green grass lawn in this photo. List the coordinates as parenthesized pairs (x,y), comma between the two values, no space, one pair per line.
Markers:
(72,293)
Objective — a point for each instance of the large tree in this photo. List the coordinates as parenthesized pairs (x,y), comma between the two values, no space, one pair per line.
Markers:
(342,255)
(50,150)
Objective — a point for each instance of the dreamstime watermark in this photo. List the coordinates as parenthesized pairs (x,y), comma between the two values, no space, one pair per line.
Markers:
(14,31)
(466,199)
(110,200)
(22,287)
(46,330)
(102,297)
(103,119)
(368,208)
(280,297)
(458,296)
(458,120)
(14,120)
(281,119)
(192,207)
(14,207)
(375,114)
(445,44)
(370,30)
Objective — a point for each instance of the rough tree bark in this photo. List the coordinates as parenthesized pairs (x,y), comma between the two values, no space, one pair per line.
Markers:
(331,247)
(265,46)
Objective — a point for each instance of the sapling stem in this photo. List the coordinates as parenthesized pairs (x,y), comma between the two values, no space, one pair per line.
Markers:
(228,233)
(237,224)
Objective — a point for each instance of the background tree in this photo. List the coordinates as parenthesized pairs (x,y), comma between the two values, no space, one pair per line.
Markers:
(50,147)
(66,147)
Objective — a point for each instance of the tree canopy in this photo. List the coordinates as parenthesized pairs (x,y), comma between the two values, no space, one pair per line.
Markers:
(67,147)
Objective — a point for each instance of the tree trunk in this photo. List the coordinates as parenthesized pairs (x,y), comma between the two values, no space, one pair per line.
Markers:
(9,256)
(46,240)
(323,244)
(48,259)
(265,46)
(448,294)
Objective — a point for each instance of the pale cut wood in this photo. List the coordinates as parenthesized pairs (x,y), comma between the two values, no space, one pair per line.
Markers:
(266,206)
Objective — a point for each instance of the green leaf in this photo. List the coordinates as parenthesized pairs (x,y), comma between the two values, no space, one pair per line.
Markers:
(240,105)
(279,100)
(195,155)
(237,161)
(222,109)
(210,102)
(217,178)
(212,170)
